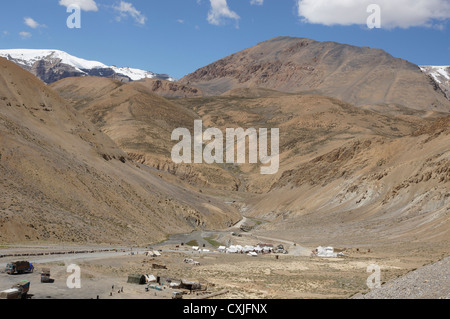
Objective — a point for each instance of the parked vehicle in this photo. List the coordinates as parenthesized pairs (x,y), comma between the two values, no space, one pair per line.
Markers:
(19,267)
(18,291)
(24,288)
(45,276)
(12,293)
(177,295)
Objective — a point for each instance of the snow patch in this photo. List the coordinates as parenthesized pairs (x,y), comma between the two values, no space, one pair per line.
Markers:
(28,57)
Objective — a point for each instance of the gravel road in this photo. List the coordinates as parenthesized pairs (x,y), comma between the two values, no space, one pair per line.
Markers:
(429,282)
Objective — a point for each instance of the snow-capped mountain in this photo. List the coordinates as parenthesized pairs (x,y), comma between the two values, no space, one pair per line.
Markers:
(441,75)
(53,65)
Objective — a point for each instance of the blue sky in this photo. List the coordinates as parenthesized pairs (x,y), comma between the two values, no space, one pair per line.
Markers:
(178,36)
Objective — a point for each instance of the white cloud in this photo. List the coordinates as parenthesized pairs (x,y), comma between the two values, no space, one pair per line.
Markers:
(257,2)
(32,23)
(25,35)
(127,9)
(220,12)
(394,14)
(85,5)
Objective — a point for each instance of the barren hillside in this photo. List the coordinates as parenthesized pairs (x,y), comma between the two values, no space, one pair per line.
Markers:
(346,173)
(141,123)
(64,180)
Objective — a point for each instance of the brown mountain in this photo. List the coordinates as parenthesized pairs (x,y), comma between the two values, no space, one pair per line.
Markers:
(345,172)
(168,88)
(141,123)
(349,174)
(64,180)
(357,75)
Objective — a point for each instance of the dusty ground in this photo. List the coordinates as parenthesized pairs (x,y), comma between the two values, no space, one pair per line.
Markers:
(244,277)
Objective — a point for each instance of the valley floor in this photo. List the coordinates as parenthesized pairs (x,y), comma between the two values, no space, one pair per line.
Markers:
(296,275)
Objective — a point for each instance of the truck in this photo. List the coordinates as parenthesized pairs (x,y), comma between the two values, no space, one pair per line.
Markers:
(18,291)
(12,293)
(45,276)
(19,267)
(177,295)
(24,288)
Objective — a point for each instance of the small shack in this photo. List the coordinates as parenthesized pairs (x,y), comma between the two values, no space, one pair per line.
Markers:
(190,285)
(137,279)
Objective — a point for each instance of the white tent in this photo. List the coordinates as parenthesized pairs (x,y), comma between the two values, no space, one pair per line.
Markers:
(232,250)
(252,254)
(196,248)
(267,249)
(248,248)
(222,248)
(150,278)
(326,252)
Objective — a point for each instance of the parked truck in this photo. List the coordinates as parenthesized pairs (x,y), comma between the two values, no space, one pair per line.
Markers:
(19,267)
(45,276)
(19,291)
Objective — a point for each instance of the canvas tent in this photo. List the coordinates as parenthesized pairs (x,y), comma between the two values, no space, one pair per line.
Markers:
(326,252)
(248,249)
(258,249)
(150,278)
(137,279)
(190,285)
(232,250)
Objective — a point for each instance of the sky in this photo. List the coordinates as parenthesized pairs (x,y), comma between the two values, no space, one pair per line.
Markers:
(176,37)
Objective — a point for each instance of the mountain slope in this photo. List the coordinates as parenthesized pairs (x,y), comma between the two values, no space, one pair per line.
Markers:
(63,180)
(141,123)
(375,191)
(53,65)
(357,75)
(440,74)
